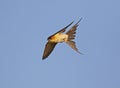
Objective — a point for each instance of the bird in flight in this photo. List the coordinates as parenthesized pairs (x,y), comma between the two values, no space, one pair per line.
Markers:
(60,37)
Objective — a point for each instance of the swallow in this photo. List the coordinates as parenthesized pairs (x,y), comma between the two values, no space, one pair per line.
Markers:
(60,37)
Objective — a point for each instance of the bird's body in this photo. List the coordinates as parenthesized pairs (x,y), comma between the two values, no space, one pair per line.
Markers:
(60,37)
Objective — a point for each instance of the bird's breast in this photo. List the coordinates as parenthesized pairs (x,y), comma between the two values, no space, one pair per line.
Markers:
(59,38)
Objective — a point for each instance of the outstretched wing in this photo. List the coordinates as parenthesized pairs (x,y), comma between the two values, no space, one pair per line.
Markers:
(71,35)
(48,49)
(62,30)
(73,29)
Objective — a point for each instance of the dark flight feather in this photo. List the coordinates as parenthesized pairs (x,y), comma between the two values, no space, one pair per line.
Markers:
(71,35)
(48,49)
(62,30)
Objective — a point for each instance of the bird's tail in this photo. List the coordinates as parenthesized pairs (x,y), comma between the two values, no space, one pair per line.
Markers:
(71,35)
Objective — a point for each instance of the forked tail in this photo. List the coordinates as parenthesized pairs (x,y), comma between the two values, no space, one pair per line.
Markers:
(71,35)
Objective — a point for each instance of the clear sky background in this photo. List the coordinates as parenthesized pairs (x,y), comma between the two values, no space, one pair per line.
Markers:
(25,26)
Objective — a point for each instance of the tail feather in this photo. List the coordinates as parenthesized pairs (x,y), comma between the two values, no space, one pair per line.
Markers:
(73,46)
(71,35)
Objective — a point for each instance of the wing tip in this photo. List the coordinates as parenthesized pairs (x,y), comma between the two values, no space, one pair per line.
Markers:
(79,21)
(68,25)
(43,57)
(80,53)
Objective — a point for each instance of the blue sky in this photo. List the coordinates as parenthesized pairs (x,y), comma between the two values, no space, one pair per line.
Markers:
(25,26)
